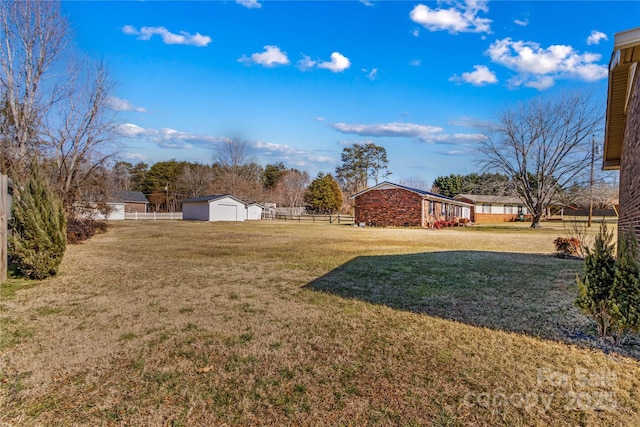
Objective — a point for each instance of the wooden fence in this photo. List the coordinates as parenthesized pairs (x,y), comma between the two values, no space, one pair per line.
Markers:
(331,219)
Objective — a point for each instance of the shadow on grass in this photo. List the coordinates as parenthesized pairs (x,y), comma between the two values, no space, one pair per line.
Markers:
(525,293)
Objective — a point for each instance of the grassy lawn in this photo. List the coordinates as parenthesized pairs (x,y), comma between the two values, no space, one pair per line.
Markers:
(189,323)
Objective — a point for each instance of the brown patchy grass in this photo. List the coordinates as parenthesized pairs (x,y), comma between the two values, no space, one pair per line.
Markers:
(186,323)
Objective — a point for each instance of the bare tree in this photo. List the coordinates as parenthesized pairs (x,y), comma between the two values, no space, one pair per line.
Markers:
(236,171)
(81,132)
(541,146)
(61,118)
(233,153)
(291,187)
(194,180)
(33,37)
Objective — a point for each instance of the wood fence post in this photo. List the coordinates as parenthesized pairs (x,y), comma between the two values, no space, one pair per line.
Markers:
(4,227)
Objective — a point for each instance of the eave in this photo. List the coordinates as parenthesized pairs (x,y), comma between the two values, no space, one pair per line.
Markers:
(622,69)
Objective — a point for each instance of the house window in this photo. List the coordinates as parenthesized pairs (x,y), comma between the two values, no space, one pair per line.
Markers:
(443,209)
(486,208)
(508,209)
(430,207)
(520,210)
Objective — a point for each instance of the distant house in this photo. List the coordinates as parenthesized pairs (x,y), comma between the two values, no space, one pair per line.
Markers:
(490,209)
(216,207)
(622,131)
(134,201)
(121,202)
(394,205)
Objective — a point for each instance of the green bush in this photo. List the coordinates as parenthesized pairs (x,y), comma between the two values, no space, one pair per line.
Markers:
(609,291)
(626,286)
(38,238)
(594,288)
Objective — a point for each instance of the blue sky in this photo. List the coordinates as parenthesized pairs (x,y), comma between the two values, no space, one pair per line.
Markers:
(300,80)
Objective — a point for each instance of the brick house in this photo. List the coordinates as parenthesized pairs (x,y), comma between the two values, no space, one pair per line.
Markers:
(133,201)
(119,204)
(622,131)
(493,209)
(394,205)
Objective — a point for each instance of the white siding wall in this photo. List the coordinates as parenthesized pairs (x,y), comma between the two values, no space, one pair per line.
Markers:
(198,211)
(497,209)
(227,209)
(254,212)
(116,212)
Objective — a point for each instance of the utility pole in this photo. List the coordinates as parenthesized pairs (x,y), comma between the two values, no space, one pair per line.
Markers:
(166,189)
(591,179)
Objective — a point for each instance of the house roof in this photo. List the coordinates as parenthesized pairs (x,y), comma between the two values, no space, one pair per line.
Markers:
(424,193)
(128,197)
(622,69)
(211,198)
(488,198)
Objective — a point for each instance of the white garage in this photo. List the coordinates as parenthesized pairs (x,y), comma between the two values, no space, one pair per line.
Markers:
(216,207)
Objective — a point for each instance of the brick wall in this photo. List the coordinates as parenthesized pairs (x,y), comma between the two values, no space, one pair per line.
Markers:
(135,207)
(484,218)
(630,165)
(389,208)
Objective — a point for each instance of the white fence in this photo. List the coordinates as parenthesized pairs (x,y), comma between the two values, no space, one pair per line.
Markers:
(153,216)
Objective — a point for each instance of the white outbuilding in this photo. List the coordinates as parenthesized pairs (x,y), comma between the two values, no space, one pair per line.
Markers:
(254,211)
(216,207)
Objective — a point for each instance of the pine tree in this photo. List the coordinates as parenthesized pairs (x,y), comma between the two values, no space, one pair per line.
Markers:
(594,288)
(38,239)
(626,286)
(323,194)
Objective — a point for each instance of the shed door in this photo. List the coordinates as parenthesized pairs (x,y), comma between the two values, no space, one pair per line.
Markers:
(226,212)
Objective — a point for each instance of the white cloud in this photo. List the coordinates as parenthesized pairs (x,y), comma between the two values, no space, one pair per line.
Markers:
(462,17)
(167,137)
(480,77)
(129,30)
(290,155)
(135,156)
(367,3)
(596,37)
(145,33)
(119,104)
(306,63)
(249,4)
(521,22)
(423,133)
(271,57)
(415,62)
(338,63)
(393,129)
(539,67)
(415,32)
(371,74)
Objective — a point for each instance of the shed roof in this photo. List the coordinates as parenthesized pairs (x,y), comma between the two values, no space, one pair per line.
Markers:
(424,193)
(128,197)
(622,69)
(488,198)
(211,198)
